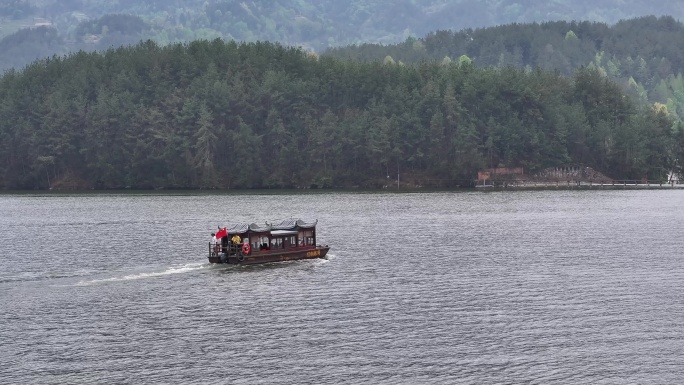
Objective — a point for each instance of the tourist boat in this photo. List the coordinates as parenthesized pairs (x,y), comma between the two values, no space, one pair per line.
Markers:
(248,244)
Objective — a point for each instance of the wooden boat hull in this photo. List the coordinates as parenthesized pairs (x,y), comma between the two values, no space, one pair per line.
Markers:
(268,256)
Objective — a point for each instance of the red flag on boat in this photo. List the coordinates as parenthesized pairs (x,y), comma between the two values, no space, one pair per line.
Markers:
(221,233)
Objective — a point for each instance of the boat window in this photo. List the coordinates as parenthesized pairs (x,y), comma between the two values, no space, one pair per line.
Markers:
(263,243)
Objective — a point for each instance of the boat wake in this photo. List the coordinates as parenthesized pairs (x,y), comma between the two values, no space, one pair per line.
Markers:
(180,269)
(35,276)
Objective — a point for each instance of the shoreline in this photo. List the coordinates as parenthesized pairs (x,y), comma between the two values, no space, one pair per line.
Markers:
(579,185)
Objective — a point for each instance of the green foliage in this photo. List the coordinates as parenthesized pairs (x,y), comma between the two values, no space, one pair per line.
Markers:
(639,54)
(211,114)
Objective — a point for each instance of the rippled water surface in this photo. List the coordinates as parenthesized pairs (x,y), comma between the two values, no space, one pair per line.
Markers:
(544,287)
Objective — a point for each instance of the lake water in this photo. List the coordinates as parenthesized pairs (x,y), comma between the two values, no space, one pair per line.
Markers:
(538,287)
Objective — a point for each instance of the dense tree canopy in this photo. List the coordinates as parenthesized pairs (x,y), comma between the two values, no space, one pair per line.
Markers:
(643,55)
(640,54)
(215,114)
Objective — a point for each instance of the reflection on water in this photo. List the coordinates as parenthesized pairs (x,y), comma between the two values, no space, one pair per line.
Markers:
(515,287)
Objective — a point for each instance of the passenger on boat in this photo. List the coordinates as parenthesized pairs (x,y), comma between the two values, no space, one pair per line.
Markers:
(213,242)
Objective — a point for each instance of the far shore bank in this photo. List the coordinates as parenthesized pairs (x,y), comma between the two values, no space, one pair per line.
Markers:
(582,185)
(509,186)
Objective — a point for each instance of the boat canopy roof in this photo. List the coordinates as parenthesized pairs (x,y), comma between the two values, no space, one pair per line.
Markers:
(291,224)
(241,228)
(287,224)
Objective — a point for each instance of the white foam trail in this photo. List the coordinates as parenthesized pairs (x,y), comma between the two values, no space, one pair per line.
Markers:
(170,271)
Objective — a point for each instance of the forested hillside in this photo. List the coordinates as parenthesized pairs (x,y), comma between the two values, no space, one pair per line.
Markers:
(311,24)
(226,115)
(643,55)
(640,54)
